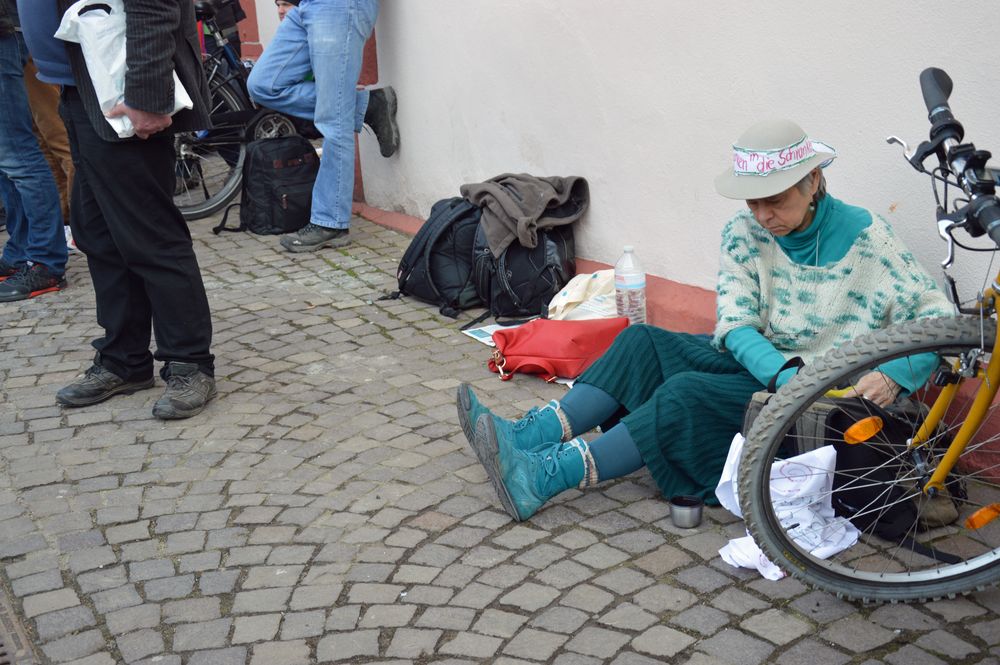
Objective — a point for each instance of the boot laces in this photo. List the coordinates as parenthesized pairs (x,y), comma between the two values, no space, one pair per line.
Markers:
(532,415)
(97,372)
(180,381)
(528,419)
(550,464)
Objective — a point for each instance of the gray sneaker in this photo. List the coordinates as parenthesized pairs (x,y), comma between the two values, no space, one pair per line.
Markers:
(97,385)
(188,391)
(312,237)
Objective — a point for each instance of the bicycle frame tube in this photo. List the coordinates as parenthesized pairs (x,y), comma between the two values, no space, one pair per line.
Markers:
(985,394)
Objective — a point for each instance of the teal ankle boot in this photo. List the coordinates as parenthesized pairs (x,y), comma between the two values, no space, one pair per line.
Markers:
(525,480)
(538,427)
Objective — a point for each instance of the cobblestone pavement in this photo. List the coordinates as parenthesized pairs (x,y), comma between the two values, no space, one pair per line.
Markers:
(326,507)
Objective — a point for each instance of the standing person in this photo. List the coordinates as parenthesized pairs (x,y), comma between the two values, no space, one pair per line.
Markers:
(285,6)
(800,273)
(138,247)
(335,32)
(34,257)
(43,98)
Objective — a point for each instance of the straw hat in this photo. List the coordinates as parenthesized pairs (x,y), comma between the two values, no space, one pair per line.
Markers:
(769,158)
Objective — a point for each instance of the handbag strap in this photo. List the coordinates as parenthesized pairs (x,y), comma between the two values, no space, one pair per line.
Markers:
(796,362)
(500,363)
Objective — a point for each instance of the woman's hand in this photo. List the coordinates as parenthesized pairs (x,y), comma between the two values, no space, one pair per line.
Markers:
(876,387)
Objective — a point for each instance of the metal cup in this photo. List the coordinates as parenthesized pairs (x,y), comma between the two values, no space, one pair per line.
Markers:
(685,511)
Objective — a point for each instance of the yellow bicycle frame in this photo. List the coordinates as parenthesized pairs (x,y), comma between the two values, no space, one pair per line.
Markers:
(987,390)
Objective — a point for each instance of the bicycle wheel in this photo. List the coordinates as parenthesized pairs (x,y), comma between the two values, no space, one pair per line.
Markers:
(209,166)
(931,560)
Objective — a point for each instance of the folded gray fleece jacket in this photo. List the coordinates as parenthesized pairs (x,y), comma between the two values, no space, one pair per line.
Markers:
(516,205)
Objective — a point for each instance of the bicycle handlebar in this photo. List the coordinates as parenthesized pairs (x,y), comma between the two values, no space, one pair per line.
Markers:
(963,160)
(988,218)
(936,87)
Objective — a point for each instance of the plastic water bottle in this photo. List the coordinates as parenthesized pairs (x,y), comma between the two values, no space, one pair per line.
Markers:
(630,287)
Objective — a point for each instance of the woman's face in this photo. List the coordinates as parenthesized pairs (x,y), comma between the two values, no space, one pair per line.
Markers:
(788,211)
(283,8)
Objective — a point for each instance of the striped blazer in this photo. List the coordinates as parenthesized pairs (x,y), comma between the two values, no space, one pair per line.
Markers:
(160,37)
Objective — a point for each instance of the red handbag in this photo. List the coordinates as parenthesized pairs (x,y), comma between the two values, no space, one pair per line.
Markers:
(553,348)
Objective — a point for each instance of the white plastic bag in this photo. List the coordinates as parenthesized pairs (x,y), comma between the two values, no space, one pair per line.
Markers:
(800,491)
(586,296)
(101,36)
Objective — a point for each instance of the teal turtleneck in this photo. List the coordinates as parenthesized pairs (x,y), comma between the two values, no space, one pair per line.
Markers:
(826,240)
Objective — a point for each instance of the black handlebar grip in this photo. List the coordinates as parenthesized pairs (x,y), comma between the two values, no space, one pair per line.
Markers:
(988,218)
(936,86)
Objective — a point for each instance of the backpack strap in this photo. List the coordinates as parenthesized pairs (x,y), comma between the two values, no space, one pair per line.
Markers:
(427,235)
(225,216)
(479,319)
(929,552)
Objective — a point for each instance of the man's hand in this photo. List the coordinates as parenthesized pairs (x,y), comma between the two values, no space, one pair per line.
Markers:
(145,124)
(876,387)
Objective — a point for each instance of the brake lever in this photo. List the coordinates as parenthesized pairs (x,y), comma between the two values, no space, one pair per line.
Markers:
(907,152)
(945,225)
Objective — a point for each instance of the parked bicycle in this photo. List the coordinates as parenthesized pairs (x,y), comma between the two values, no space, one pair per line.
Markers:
(948,457)
(209,165)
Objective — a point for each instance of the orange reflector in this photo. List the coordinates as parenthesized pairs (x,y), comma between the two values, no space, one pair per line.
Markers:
(983,516)
(863,430)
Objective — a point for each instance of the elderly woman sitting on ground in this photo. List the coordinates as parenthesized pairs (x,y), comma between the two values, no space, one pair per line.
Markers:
(800,273)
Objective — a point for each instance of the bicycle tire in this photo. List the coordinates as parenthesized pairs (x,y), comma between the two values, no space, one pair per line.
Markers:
(881,570)
(209,169)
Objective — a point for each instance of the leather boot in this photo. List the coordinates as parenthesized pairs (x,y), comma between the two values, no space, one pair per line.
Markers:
(538,427)
(525,480)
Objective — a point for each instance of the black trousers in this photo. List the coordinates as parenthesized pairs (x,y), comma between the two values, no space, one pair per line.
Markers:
(138,248)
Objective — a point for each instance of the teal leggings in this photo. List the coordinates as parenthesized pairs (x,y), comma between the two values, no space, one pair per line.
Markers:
(615,453)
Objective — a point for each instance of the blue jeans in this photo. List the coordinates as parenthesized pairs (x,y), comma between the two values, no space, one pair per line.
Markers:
(325,38)
(28,190)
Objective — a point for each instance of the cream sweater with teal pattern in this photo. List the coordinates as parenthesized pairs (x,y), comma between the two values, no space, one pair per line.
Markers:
(807,310)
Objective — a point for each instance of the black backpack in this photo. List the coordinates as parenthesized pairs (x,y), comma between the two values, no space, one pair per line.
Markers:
(278,178)
(437,266)
(872,499)
(521,281)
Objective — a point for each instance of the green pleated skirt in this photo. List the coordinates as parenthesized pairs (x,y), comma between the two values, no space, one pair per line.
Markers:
(682,400)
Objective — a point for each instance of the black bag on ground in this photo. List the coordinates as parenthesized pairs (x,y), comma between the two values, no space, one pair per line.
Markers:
(885,497)
(866,487)
(278,178)
(522,280)
(437,265)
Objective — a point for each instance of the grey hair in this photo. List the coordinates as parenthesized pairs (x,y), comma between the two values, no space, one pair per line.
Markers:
(804,185)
